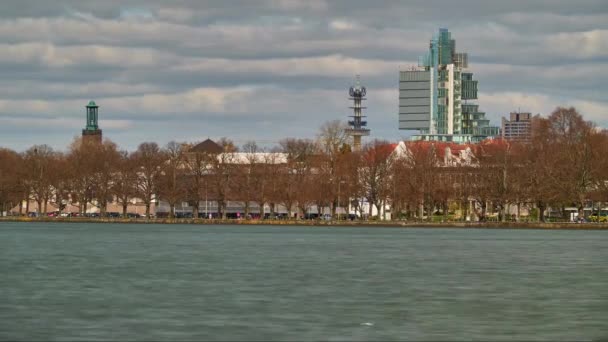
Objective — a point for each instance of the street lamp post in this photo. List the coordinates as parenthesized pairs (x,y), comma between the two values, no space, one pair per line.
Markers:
(206,203)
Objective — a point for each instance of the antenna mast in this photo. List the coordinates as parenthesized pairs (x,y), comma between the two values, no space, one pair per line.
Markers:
(357,94)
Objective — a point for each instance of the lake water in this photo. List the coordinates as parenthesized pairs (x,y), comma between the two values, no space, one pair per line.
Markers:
(184,282)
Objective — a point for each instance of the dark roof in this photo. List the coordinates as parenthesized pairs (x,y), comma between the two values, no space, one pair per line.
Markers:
(207,146)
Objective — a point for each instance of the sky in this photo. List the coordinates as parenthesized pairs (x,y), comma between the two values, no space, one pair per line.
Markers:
(265,70)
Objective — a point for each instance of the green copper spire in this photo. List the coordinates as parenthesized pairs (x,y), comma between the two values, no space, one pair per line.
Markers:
(92,116)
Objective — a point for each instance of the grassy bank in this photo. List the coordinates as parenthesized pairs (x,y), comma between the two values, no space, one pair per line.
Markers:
(319,223)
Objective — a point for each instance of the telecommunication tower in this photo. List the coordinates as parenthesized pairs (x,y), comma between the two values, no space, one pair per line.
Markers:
(357,124)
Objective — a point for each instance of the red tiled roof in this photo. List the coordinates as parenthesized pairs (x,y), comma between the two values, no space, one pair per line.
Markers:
(439,146)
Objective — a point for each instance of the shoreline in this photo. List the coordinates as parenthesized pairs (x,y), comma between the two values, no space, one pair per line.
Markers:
(318,223)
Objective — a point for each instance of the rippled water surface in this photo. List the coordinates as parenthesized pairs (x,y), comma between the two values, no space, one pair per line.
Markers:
(181,282)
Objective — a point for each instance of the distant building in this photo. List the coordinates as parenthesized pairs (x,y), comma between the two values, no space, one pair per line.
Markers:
(208,146)
(208,205)
(448,154)
(92,133)
(434,98)
(518,127)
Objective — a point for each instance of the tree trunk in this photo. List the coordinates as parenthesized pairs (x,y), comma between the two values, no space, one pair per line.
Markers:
(171,210)
(27,206)
(394,211)
(148,210)
(383,204)
(222,207)
(262,211)
(59,205)
(303,211)
(334,207)
(541,212)
(357,208)
(288,206)
(195,209)
(473,211)
(20,208)
(124,210)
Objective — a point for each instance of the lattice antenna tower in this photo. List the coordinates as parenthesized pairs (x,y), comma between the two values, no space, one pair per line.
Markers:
(357,124)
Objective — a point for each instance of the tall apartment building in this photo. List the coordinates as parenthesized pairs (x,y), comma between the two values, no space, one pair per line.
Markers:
(518,127)
(436,98)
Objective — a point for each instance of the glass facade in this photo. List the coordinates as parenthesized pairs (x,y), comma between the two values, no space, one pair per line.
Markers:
(450,89)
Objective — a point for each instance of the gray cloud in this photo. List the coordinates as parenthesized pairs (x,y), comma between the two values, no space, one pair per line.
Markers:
(187,70)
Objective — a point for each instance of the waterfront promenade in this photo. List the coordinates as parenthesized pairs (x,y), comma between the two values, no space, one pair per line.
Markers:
(322,223)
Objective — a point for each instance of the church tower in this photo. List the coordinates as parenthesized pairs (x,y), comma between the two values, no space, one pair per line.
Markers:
(92,133)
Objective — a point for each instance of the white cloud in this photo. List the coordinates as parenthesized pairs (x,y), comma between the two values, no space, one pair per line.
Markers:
(281,65)
(49,55)
(177,15)
(60,123)
(291,5)
(341,25)
(501,104)
(15,89)
(333,65)
(579,45)
(116,124)
(593,111)
(549,22)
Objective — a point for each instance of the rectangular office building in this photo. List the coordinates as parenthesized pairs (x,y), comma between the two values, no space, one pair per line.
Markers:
(414,100)
(518,127)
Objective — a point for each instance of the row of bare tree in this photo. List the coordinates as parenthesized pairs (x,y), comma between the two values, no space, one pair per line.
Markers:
(565,163)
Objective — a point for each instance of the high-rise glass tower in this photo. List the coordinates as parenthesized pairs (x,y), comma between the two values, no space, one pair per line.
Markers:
(436,97)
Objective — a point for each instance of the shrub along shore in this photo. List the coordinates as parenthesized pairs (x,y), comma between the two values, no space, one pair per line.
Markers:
(321,223)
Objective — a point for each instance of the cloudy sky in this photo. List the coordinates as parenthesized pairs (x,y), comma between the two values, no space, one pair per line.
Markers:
(268,69)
